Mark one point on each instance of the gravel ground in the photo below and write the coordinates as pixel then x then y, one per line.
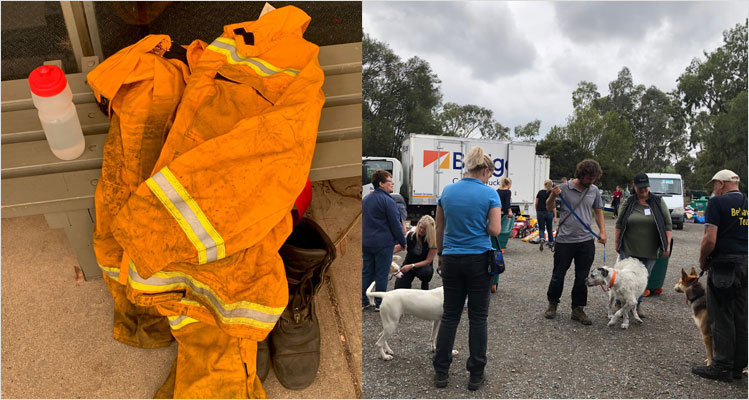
pixel 532 357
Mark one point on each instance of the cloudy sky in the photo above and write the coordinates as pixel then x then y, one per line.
pixel 522 60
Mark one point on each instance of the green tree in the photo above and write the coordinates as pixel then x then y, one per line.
pixel 713 93
pixel 528 132
pixel 495 131
pixel 563 155
pixel 659 132
pixel 465 120
pixel 398 98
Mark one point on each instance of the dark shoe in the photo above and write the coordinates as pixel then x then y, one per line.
pixel 578 314
pixel 541 246
pixel 475 381
pixel 551 312
pixel 710 372
pixel 440 380
pixel 377 308
pixel 295 347
pixel 738 374
pixel 263 358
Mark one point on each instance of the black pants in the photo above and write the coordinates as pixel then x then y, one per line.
pixel 727 308
pixel 583 254
pixel 424 274
pixel 464 275
pixel 615 206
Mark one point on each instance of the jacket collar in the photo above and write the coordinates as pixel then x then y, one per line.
pixel 267 30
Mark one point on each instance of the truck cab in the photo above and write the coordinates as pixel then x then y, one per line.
pixel 371 164
pixel 671 188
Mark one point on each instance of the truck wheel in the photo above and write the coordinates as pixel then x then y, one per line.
pixel 680 226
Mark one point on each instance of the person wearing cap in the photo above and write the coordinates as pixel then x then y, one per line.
pixel 723 253
pixel 574 240
pixel 643 227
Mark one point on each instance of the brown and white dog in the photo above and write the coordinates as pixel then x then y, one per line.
pixel 690 285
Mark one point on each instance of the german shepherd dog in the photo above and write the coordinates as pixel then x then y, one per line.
pixel 690 285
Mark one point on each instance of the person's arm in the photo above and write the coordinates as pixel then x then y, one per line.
pixel 708 244
pixel 668 245
pixel 494 225
pixel 669 226
pixel 394 222
pixel 601 226
pixel 425 262
pixel 617 233
pixel 440 228
pixel 550 202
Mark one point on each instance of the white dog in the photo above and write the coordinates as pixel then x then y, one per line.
pixel 424 304
pixel 626 282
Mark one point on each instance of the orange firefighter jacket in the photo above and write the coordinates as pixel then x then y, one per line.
pixel 201 235
pixel 140 89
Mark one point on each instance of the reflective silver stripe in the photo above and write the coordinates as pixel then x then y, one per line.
pixel 177 320
pixel 237 58
pixel 184 280
pixel 189 216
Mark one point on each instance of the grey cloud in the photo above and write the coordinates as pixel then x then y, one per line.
pixel 483 39
pixel 598 21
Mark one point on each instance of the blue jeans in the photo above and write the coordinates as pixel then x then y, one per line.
pixel 376 267
pixel 545 220
pixel 464 275
pixel 649 264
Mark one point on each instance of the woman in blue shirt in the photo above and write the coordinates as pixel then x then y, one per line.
pixel 468 213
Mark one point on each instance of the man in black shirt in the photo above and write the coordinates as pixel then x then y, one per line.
pixel 723 253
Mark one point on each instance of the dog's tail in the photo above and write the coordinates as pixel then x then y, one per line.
pixel 372 294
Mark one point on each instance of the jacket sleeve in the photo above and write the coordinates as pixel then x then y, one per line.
pixel 393 217
pixel 227 193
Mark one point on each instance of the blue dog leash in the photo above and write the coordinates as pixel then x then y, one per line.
pixel 584 224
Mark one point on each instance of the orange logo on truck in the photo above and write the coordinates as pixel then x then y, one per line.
pixel 431 156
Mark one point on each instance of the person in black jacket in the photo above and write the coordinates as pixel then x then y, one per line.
pixel 643 228
pixel 421 248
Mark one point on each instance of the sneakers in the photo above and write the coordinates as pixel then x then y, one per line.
pixel 579 315
pixel 475 381
pixel 440 380
pixel 295 340
pixel 551 312
pixel 646 293
pixel 711 372
pixel 541 245
pixel 658 291
pixel 494 288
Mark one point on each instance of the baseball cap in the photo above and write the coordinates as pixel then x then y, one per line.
pixel 725 175
pixel 641 180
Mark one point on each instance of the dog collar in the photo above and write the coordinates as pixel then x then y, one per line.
pixel 613 278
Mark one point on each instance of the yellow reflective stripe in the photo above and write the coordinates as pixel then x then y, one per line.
pixel 240 312
pixel 111 272
pixel 207 241
pixel 217 239
pixel 180 219
pixel 177 322
pixel 228 47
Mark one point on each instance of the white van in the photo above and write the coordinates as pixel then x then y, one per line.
pixel 671 188
pixel 371 164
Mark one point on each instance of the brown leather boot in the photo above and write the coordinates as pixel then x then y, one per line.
pixel 578 314
pixel 551 312
pixel 263 358
pixel 295 342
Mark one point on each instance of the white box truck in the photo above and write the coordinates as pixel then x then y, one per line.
pixel 671 188
pixel 429 163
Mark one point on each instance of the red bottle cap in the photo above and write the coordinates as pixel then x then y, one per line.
pixel 47 81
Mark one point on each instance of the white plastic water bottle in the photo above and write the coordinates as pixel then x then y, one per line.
pixel 53 98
